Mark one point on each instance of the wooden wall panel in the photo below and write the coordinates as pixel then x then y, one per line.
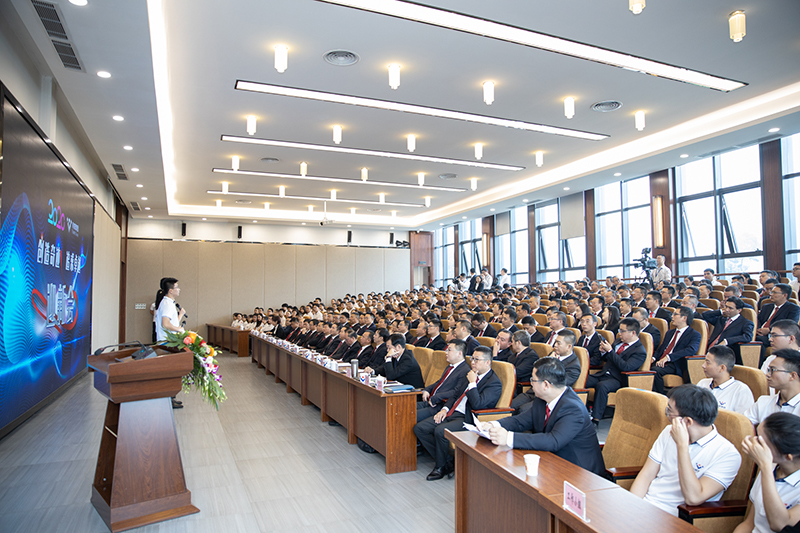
pixel 279 275
pixel 247 272
pixel 369 270
pixel 310 273
pixel 772 207
pixel 145 267
pixel 105 281
pixel 181 262
pixel 340 272
pixel 396 264
pixel 214 280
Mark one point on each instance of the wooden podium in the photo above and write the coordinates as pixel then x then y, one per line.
pixel 139 478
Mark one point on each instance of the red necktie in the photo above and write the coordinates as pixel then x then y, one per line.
pixel 551 338
pixel 652 314
pixel 622 348
pixel 715 341
pixel 453 409
pixel 449 369
pixel 772 314
pixel 585 342
pixel 672 343
pixel 546 414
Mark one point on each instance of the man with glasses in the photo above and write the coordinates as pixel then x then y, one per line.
pixel 783 375
pixel 730 327
pixel 779 308
pixel 679 342
pixel 435 395
pixel 435 340
pixel 783 334
pixel 689 462
pixel 627 355
pixel 481 390
pixel 557 420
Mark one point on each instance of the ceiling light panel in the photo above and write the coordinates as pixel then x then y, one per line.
pixel 319 199
pixel 511 34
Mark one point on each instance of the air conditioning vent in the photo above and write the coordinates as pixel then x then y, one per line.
pixel 606 106
pixel 448 176
pixel 67 55
pixel 51 20
pixel 119 170
pixel 135 206
pixel 341 58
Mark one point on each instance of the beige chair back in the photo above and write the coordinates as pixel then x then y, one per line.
pixel 583 357
pixel 647 341
pixel 486 341
pixel 735 427
pixel 438 364
pixel 496 325
pixel 660 324
pixel 753 378
pixel 540 319
pixel 424 357
pixel 750 315
pixel 541 349
pixel 487 315
pixel 701 326
pixel 508 377
pixel 445 324
pixel 544 330
pixel 607 335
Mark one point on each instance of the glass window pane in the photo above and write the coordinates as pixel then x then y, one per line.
pixel 637 192
pixel 609 239
pixel 503 258
pixel 464 231
pixel 639 235
pixel 742 264
pixel 695 268
pixel 607 198
pixel 519 218
pixel 449 235
pixel 450 264
pixel 743 211
pixel 696 177
pixel 740 166
pixel 791 154
pixel 551 277
pixel 791 199
pixel 603 273
pixel 791 259
pixel 520 252
pixel 697 228
pixel 574 275
pixel 519 279
pixel 547 214
pixel 577 251
pixel 548 256
pixel 438 263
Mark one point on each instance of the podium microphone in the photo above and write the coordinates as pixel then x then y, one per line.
pixel 144 353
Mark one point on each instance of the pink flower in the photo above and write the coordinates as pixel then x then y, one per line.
pixel 187 340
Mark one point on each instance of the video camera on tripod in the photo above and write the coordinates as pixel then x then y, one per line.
pixel 646 263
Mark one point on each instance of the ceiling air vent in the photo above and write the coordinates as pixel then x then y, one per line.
pixel 135 206
pixel 606 106
pixel 341 58
pixel 448 176
pixel 244 202
pixel 119 170
pixel 51 20
pixel 270 159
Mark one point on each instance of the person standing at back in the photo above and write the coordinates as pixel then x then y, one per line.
pixel 168 317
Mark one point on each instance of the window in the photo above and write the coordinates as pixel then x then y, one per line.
pixel 790 148
pixel 471 246
pixel 511 249
pixel 557 258
pixel 622 226
pixel 444 256
pixel 719 213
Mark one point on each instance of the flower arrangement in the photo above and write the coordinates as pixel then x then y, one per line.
pixel 204 376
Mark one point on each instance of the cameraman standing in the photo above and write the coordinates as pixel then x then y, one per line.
pixel 661 272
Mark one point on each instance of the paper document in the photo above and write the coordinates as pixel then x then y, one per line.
pixel 474 429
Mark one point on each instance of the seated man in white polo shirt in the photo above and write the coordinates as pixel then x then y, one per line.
pixel 730 393
pixel 783 375
pixel 689 462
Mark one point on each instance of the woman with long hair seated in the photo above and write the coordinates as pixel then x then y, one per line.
pixel 611 318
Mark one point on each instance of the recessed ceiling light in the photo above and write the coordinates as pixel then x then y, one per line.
pixel 134 169
pixel 316 199
pixel 118 118
pixel 684 156
pixel 412 109
pixel 139 185
pixel 525 200
pixel 492 209
pixel 255 222
pixel 127 147
pixel 147 209
pixel 79 3
pixel 359 151
pixel 103 74
pixel 566 188
pixel 349 225
pixel 204 219
pixel 774 130
pixel 149 216
pixel 465 218
pixel 617 174
pixel 302 223
pixel 503 32
pixel 391 228
pixel 144 198
pixel 441 223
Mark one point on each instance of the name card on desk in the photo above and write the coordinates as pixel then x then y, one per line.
pixel 575 501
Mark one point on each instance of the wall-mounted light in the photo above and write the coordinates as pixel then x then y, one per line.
pixel 337 134
pixel 569 107
pixel 225 187
pixel 251 124
pixel 421 179
pixel 736 24
pixel 394 213
pixel 352 210
pixel 411 141
pixel 382 197
pixel 639 120
pixel 478 150
pixel 427 201
pixel 235 162
pixel 394 75
pixel 311 209
pixel 333 194
pixel 282 191
pixel 303 168
pixel 539 158
pixel 473 184
pixel 219 203
pixel 364 174
pixel 281 57
pixel 266 206
pixel 658 221
pixel 488 92
pixel 636 6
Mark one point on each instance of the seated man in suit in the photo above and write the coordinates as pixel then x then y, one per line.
pixel 572 367
pixel 400 364
pixel 679 342
pixel 652 303
pixel 529 325
pixel 481 390
pixel 735 291
pixel 379 353
pixel 557 419
pixel 730 393
pixel 421 333
pixel 730 327
pixel 435 339
pixel 625 308
pixel 501 350
pixel 508 319
pixel 522 357
pixel 349 350
pixel 627 355
pixel 481 327
pixel 641 315
pixel 779 308
pixel 365 349
pixel 638 297
pixel 463 331
pixel 590 339
pixel 558 321
pixel 667 298
pixel 689 462
pixel 435 395
pixel 691 301
pixel 337 338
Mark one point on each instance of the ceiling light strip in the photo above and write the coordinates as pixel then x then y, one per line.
pixel 315 198
pixel 336 180
pixel 360 151
pixel 495 30
pixel 321 96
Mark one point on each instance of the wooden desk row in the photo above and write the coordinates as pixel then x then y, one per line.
pixel 232 339
pixel 384 421
pixel 493 493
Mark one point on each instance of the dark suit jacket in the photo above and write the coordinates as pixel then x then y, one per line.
pixel 573 367
pixel 313 339
pixel 349 352
pixel 595 357
pixel 788 311
pixel 333 345
pixel 674 304
pixel 340 350
pixel 503 355
pixel 662 313
pixel 421 341
pixel 453 383
pixel 740 330
pixel 472 343
pixel 484 396
pixel 404 369
pixel 292 335
pixel 488 332
pixel 365 357
pixel 629 360
pixel 378 356
pixel 569 432
pixel 655 333
pixel 436 343
pixel 687 345
pixel 537 337
pixel 523 363
pixel 512 329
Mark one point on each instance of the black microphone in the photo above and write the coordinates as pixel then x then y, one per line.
pixel 144 353
pixel 178 307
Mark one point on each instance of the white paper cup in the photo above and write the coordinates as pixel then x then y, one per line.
pixel 532 464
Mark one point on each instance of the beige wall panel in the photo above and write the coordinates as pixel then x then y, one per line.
pixel 369 270
pixel 340 272
pixel 397 268
pixel 181 262
pixel 105 281
pixel 247 272
pixel 145 267
pixel 310 274
pixel 213 285
pixel 279 274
